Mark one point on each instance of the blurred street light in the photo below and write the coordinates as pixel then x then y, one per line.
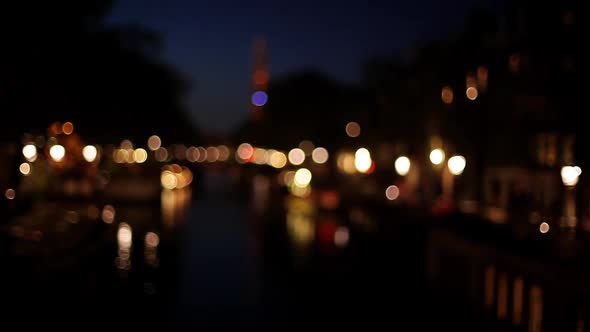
pixel 57 152
pixel 456 164
pixel 437 156
pixel 402 165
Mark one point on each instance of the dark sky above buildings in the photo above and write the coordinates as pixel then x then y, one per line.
pixel 210 42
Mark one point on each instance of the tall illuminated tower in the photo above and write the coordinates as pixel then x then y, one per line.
pixel 260 77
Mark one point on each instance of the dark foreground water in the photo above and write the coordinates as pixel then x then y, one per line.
pixel 218 259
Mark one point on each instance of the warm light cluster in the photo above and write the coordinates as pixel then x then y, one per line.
pixel 130 156
pixel 175 177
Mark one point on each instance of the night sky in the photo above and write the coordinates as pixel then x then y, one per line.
pixel 210 42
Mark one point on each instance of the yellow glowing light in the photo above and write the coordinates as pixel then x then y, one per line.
pixel 307 146
pixel 437 156
pixel 277 159
pixel 353 129
pixel 260 157
pixel 392 192
pixel 108 214
pixel 67 128
pixel 120 155
pixel 30 152
pixel 161 154
pixel 244 152
pixel 151 240
pixel 302 178
pixel 57 152
pixel 168 180
pixel 223 153
pixel 402 165
pixel 471 93
pixel 544 227
pixel 296 156
pixel 89 153
pixel 345 162
pixel 319 155
pixel 140 155
pixel 184 178
pixel 341 236
pixel 25 168
pixel 456 164
pixel 362 160
pixel 124 236
pixel 570 175
pixel 447 95
pixel 9 194
pixel 154 142
pixel 298 191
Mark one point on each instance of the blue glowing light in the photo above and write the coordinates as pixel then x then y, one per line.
pixel 259 98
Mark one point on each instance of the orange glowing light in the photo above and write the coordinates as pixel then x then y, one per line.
pixel 202 154
pixel 126 144
pixel 245 152
pixel 260 77
pixel 108 214
pixel 544 227
pixel 223 152
pixel 151 240
pixel 471 93
pixel 67 128
pixel 447 95
pixel 353 129
pixel 212 154
pixel 25 169
pixel 192 154
pixel 10 194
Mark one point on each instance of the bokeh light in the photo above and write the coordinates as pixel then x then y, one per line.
pixel 259 98
pixel 402 165
pixel 392 192
pixel 192 154
pixel 570 175
pixel 202 154
pixel 108 214
pixel 307 146
pixel 124 236
pixel 57 152
pixel 345 162
pixel 30 152
pixel 296 156
pixel 437 156
pixel 319 155
pixel 456 164
pixel 67 128
pixel 260 157
pixel 151 240
pixel 447 95
pixel 353 129
pixel 25 169
pixel 168 180
pixel 223 153
pixel 245 152
pixel 277 159
pixel 471 93
pixel 544 227
pixel 302 178
pixel 362 160
pixel 161 154
pixel 140 155
pixel 126 144
pixel 341 236
pixel 212 154
pixel 89 152
pixel 10 194
pixel 154 142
